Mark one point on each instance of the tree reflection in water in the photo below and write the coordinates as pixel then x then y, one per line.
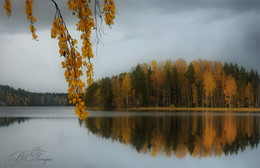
pixel 7 121
pixel 199 135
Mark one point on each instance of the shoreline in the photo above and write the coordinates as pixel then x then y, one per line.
pixel 181 109
pixel 162 109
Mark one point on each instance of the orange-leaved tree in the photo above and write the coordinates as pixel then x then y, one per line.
pixel 126 88
pixel 209 86
pixel 230 90
pixel 75 60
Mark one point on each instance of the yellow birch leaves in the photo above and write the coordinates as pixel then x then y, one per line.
pixel 85 25
pixel 109 9
pixel 29 13
pixel 72 64
pixel 75 62
pixel 7 7
pixel 30 18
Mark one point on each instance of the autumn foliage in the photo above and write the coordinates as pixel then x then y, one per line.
pixel 7 7
pixel 75 62
pixel 30 18
pixel 200 83
pixel 230 90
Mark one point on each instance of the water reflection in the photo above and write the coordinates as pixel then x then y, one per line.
pixel 7 121
pixel 170 135
pixel 197 135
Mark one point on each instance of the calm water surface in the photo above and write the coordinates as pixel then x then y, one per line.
pixel 53 137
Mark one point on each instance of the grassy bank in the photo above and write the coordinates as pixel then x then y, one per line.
pixel 182 109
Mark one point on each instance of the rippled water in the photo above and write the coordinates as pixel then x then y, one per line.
pixel 53 137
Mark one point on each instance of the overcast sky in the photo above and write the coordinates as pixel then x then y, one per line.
pixel 225 30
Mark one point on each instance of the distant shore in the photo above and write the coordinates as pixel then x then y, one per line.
pixel 180 109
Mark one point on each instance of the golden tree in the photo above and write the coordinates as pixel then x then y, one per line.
pixel 157 78
pixel 209 85
pixel 126 88
pixel 230 90
pixel 117 92
pixel 74 60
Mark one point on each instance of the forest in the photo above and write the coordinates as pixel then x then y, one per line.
pixel 19 97
pixel 201 83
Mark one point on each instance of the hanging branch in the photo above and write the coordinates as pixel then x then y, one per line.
pixel 74 61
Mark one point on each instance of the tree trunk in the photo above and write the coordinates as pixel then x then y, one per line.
pixel 158 92
pixel 211 99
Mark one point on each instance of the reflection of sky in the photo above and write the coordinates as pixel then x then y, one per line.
pixel 70 145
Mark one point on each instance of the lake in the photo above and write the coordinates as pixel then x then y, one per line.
pixel 53 137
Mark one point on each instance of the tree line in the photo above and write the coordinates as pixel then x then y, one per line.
pixel 19 97
pixel 201 83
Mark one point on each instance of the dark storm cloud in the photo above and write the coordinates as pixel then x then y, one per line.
pixel 239 19
pixel 189 5
pixel 252 44
pixel 44 10
pixel 225 30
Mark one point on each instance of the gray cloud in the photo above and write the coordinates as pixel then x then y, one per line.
pixel 43 10
pixel 173 6
pixel 225 30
